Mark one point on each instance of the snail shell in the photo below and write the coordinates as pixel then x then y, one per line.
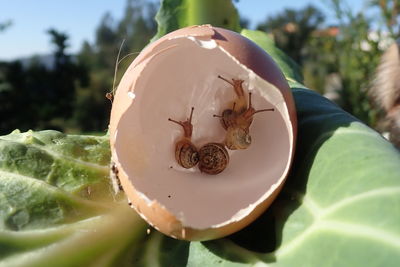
pixel 237 138
pixel 186 154
pixel 214 158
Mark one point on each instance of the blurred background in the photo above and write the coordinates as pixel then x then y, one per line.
pixel 57 58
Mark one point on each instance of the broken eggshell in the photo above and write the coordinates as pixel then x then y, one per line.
pixel 171 75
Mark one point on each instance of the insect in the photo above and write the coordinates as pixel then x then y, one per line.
pixel 237 121
pixel 213 158
pixel 116 183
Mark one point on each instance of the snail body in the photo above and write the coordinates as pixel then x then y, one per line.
pixel 212 158
pixel 186 153
pixel 240 104
pixel 237 121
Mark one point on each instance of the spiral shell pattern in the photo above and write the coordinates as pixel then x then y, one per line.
pixel 186 154
pixel 213 158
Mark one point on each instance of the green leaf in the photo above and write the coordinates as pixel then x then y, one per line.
pixel 343 195
pixel 289 67
pixel 176 14
pixel 57 207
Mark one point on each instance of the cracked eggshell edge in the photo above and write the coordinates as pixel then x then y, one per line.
pixel 153 211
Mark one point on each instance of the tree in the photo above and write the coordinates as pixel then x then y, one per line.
pixel 15 108
pixel 390 14
pixel 63 78
pixel 36 96
pixel 59 41
pixel 71 94
pixel 351 55
pixel 136 29
pixel 4 25
pixel 293 28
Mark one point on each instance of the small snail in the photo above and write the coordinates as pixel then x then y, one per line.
pixel 237 121
pixel 186 153
pixel 213 158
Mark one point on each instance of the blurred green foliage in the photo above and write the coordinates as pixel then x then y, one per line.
pixel 292 29
pixel 38 95
pixel 67 92
pixel 337 60
pixel 134 30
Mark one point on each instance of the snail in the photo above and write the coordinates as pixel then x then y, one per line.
pixel 186 153
pixel 237 121
pixel 213 158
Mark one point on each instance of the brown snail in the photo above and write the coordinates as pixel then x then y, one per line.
pixel 237 121
pixel 186 153
pixel 213 158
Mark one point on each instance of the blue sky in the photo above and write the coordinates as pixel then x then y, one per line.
pixel 79 19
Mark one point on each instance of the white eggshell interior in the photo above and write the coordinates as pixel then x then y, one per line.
pixel 180 74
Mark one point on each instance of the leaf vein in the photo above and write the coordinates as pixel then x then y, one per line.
pixel 55 189
pixel 349 229
pixel 77 161
pixel 65 157
pixel 359 197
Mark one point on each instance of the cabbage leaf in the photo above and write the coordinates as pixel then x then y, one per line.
pixel 339 206
pixel 57 207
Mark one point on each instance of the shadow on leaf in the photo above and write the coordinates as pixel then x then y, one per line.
pixel 318 119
